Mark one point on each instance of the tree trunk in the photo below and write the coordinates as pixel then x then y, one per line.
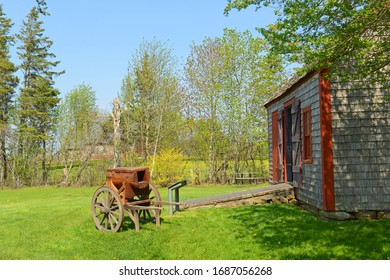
pixel 211 157
pixel 85 164
pixel 3 159
pixel 116 115
pixel 236 162
pixel 44 168
pixel 147 132
pixel 156 144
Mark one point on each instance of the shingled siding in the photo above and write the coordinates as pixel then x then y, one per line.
pixel 361 148
pixel 308 93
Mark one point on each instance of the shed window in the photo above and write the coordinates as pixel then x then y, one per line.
pixel 307 137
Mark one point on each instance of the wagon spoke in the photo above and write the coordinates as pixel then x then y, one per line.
pixel 110 220
pixel 111 202
pixel 99 214
pixel 104 217
pixel 114 218
pixel 99 205
pixel 115 207
pixel 107 200
pixel 106 222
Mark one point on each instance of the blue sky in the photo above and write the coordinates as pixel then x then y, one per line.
pixel 95 39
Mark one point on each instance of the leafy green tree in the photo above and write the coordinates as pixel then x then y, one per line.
pixel 38 99
pixel 229 79
pixel 204 93
pixel 150 100
pixel 79 131
pixel 8 83
pixel 317 33
pixel 249 74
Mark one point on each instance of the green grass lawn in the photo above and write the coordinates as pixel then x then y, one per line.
pixel 56 223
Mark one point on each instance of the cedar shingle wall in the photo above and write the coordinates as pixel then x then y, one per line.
pixel 361 148
pixel 308 94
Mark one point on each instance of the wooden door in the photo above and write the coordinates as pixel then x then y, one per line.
pixel 296 143
pixel 274 144
pixel 280 145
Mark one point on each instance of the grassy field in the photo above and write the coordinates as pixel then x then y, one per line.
pixel 56 223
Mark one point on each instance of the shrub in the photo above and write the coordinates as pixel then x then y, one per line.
pixel 169 165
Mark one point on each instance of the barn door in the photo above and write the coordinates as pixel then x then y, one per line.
pixel 296 143
pixel 280 145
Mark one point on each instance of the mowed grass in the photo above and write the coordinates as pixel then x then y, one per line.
pixel 56 223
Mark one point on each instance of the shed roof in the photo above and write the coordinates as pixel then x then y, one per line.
pixel 289 86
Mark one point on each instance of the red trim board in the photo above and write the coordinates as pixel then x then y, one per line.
pixel 326 143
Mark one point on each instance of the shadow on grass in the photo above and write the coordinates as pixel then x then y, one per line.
pixel 288 232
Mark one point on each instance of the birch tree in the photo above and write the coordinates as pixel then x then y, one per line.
pixel 116 118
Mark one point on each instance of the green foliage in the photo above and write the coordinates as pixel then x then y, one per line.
pixel 330 34
pixel 57 224
pixel 37 103
pixel 169 165
pixel 8 83
pixel 79 131
pixel 78 116
pixel 151 99
pixel 229 79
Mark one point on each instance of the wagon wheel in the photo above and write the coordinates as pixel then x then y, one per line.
pixel 154 196
pixel 107 209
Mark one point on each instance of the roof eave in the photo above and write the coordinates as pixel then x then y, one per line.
pixel 288 87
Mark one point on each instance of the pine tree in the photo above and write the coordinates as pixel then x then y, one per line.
pixel 38 98
pixel 8 83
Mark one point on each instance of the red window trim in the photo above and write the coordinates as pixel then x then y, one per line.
pixel 307 135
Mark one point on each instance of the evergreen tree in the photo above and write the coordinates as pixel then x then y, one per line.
pixel 38 98
pixel 8 83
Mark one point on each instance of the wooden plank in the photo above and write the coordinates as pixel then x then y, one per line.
pixel 139 202
pixel 168 203
pixel 139 207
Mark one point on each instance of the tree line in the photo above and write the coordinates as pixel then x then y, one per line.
pixel 27 117
pixel 209 111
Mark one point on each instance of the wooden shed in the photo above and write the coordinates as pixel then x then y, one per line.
pixel 331 141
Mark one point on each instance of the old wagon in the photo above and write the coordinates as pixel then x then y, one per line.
pixel 127 191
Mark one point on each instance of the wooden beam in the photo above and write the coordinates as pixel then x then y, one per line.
pixel 326 143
